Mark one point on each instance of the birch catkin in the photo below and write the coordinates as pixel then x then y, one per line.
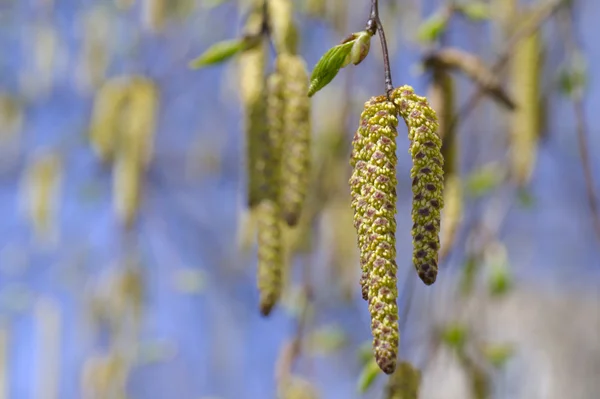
pixel 252 64
pixel 525 127
pixel 373 186
pixel 428 179
pixel 296 166
pixel 270 238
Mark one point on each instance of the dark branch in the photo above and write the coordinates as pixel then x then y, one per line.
pixel 374 25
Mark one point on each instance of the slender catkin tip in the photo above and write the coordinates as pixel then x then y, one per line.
pixel 373 188
pixel 427 179
pixel 270 237
pixel 296 164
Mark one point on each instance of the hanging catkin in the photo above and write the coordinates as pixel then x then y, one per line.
pixel 373 187
pixel 525 128
pixel 427 179
pixel 134 150
pixel 108 107
pixel 252 64
pixel 270 238
pixel 441 95
pixel 296 166
pixel 284 30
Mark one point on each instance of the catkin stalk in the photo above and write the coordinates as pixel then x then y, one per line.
pixel 296 166
pixel 373 187
pixel 427 179
pixel 270 238
pixel 284 30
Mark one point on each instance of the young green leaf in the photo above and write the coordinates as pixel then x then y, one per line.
pixel 221 51
pixel 432 28
pixel 475 10
pixel 368 375
pixel 329 65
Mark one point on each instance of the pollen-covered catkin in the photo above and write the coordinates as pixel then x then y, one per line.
pixel 427 179
pixel 296 166
pixel 373 186
pixel 252 65
pixel 270 237
pixel 358 161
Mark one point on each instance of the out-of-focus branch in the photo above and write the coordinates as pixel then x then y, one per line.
pixel 541 15
pixel 571 48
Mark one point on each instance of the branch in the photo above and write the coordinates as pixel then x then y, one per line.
pixel 581 126
pixel 374 25
pixel 540 16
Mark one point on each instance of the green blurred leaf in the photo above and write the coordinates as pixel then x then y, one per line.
pixel 526 199
pixel 432 28
pixel 483 180
pixel 498 354
pixel 329 65
pixel 455 335
pixel 220 52
pixel 368 375
pixel 475 10
pixel 500 281
pixel 467 281
pixel 573 76
pixel 326 340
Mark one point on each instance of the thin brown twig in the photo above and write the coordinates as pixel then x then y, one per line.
pixel 374 25
pixel 540 16
pixel 572 47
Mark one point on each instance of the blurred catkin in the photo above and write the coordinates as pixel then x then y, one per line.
pixel 106 113
pixel 270 239
pixel 41 188
pixel 427 179
pixel 525 75
pixel 252 65
pixel 283 27
pixel 373 187
pixel 134 150
pixel 296 165
pixel 404 383
pixel 155 14
pixel 441 96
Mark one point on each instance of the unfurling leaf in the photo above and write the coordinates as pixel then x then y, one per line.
pixel 222 51
pixel 329 65
pixel 455 336
pixel 361 47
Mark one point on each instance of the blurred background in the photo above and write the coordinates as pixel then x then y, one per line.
pixel 133 275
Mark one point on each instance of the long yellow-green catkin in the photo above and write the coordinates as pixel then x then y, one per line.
pixel 252 64
pixel 358 161
pixel 284 30
pixel 441 96
pixel 373 187
pixel 108 106
pixel 525 129
pixel 296 166
pixel 270 238
pixel 405 383
pixel 427 179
